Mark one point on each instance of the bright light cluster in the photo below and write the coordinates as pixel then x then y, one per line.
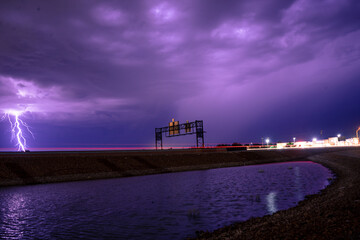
pixel 17 128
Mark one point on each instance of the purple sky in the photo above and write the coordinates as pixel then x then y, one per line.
pixel 91 72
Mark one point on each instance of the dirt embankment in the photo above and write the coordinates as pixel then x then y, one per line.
pixel 333 214
pixel 46 167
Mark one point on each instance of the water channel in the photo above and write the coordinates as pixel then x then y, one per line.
pixel 163 206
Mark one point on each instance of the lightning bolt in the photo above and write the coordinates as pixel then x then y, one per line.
pixel 17 127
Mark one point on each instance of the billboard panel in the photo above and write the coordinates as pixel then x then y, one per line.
pixel 187 127
pixel 176 128
pixel 171 128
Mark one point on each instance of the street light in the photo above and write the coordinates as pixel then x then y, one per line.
pixel 339 135
pixel 314 139
pixel 294 138
pixel 267 141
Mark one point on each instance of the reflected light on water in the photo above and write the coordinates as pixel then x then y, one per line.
pixel 299 194
pixel 14 216
pixel 270 202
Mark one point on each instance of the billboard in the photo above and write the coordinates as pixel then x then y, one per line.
pixel 187 127
pixel 174 127
pixel 171 128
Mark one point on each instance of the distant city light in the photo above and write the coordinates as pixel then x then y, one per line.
pixel 330 142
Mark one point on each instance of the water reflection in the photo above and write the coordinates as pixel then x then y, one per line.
pixel 297 175
pixel 13 215
pixel 165 206
pixel 270 202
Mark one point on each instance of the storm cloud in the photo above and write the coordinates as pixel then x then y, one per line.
pixel 249 69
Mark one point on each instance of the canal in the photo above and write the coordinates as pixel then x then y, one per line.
pixel 163 206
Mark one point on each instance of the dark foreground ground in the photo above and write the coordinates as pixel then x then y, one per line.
pixel 333 214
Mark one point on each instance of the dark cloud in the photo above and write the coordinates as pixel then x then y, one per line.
pixel 140 63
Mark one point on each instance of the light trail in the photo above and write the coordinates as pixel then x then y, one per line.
pixel 17 127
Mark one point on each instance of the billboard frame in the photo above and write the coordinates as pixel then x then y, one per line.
pixel 188 128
